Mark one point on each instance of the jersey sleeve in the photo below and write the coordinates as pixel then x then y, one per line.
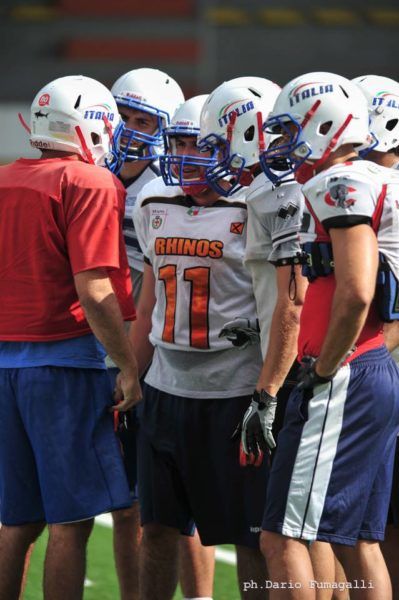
pixel 259 242
pixel 273 227
pixel 92 222
pixel 140 225
pixel 285 226
pixel 345 201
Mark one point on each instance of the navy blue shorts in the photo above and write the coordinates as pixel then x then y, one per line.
pixel 189 469
pixel 393 513
pixel 126 430
pixel 332 472
pixel 60 460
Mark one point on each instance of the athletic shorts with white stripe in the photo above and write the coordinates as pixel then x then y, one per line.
pixel 332 473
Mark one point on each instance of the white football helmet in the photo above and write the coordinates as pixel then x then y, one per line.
pixel 316 113
pixel 185 170
pixel 382 95
pixel 231 122
pixel 75 114
pixel 153 92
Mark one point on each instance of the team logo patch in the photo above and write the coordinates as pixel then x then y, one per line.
pixel 44 100
pixel 237 228
pixel 287 211
pixel 193 211
pixel 156 222
pixel 338 196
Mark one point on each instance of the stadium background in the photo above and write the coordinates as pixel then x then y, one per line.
pixel 200 43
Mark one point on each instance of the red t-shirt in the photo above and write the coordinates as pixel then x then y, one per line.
pixel 315 319
pixel 58 217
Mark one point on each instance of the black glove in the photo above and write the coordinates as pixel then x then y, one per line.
pixel 241 332
pixel 307 376
pixel 256 429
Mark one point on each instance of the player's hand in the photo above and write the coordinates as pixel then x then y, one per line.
pixel 256 429
pixel 127 391
pixel 241 332
pixel 307 376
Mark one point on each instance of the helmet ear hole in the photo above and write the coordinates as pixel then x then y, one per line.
pixel 391 124
pixel 95 138
pixel 325 127
pixel 249 134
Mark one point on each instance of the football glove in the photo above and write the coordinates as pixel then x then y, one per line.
pixel 307 376
pixel 241 332
pixel 256 429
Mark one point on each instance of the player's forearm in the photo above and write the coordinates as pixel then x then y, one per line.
pixel 106 321
pixel 139 332
pixel 282 348
pixel 391 335
pixel 348 316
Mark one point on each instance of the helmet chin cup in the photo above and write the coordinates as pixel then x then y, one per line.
pixel 194 190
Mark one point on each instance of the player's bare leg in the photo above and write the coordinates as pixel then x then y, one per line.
pixel 366 562
pixel 288 560
pixel 14 545
pixel 65 563
pixel 196 567
pixel 26 569
pixel 126 538
pixel 158 569
pixel 327 568
pixel 340 577
pixel 389 548
pixel 252 573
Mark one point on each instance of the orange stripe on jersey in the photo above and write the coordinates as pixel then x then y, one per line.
pixel 168 275
pixel 199 326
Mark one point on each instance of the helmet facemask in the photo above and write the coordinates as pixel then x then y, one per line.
pixel 185 170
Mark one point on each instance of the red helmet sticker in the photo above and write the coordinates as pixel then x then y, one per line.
pixel 44 100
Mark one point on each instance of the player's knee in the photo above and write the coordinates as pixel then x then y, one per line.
pixel 27 533
pixel 126 516
pixel 79 531
pixel 271 544
pixel 156 534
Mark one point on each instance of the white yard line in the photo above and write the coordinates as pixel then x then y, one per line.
pixel 221 554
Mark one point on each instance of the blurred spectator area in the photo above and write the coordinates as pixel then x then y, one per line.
pixel 199 42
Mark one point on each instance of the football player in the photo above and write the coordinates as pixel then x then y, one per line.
pixel 272 255
pixel 66 284
pixel 382 95
pixel 198 385
pixel 330 478
pixel 146 99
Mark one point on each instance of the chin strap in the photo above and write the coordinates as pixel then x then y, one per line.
pixel 24 123
pixel 85 148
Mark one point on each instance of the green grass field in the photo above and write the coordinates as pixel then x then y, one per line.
pixel 101 581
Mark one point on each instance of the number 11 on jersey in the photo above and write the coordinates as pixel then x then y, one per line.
pixel 198 278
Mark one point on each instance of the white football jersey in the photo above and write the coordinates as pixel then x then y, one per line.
pixel 274 222
pixel 197 257
pixel 133 187
pixel 353 193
